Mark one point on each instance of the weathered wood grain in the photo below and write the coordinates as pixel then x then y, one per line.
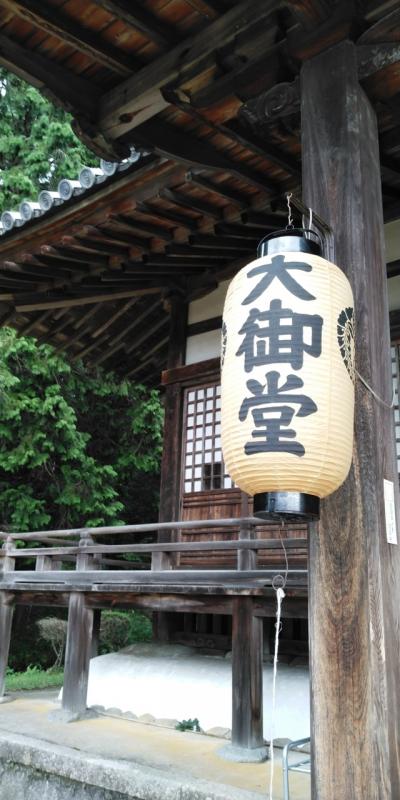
pixel 168 547
pixel 6 616
pixel 140 97
pixel 203 577
pixel 52 21
pixel 354 572
pixel 77 654
pixel 247 648
pixel 140 528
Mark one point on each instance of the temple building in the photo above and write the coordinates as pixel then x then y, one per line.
pixel 209 117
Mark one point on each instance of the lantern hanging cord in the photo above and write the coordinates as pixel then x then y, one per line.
pixel 279 584
pixel 374 394
pixel 290 224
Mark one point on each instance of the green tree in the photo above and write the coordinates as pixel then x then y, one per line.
pixel 76 448
pixel 37 144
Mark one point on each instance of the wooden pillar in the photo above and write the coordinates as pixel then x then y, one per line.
pixel 171 459
pixel 247 716
pixel 78 647
pixel 6 616
pixel 77 656
pixel 354 571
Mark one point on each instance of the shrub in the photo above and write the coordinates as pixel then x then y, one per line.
pixel 54 631
pixel 121 628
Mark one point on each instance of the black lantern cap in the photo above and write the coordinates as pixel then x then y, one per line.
pixel 297 240
pixel 292 506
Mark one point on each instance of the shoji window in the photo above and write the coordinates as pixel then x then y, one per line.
pixel 204 469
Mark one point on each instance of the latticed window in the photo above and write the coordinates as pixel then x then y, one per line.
pixel 204 469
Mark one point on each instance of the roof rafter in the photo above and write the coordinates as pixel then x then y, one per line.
pixel 140 97
pixel 140 18
pixel 52 20
pixel 75 93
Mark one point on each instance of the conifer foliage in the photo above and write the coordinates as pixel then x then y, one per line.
pixel 37 144
pixel 76 448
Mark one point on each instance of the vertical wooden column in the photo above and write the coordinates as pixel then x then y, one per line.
pixel 6 617
pixel 247 716
pixel 172 447
pixel 246 559
pixel 78 647
pixel 354 573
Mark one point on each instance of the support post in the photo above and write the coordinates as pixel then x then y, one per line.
pixel 171 459
pixel 78 648
pixel 354 606
pixel 247 695
pixel 6 617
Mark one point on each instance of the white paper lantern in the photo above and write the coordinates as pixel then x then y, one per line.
pixel 288 376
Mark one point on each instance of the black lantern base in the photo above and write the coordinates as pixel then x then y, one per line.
pixel 291 506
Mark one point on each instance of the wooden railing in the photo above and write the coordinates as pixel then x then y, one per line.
pixel 78 547
pixel 72 567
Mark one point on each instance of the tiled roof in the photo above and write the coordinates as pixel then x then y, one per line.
pixel 46 200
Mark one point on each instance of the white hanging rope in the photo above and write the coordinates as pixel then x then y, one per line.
pixel 279 584
pixel 280 594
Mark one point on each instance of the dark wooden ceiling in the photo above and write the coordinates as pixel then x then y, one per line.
pixel 178 80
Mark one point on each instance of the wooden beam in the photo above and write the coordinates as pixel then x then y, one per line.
pixel 139 98
pixel 53 21
pixel 220 189
pixel 192 203
pixel 237 134
pixel 120 339
pixel 146 334
pixel 374 57
pixel 110 320
pixel 385 28
pixel 309 13
pixel 196 578
pixel 174 143
pixel 142 20
pixel 213 241
pixel 156 231
pixel 76 94
pixel 354 571
pixel 180 220
pixel 105 337
pixel 38 302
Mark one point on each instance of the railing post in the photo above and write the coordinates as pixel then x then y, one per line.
pixel 164 621
pixel 6 617
pixel 246 559
pixel 78 646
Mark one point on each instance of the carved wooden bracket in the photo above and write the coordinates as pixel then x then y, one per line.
pixel 280 101
pixel 284 98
